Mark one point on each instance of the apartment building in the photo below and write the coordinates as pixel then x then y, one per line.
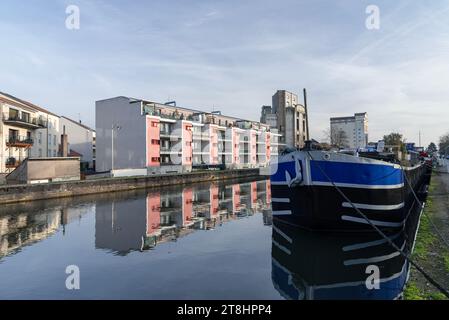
pixel 350 132
pixel 288 116
pixel 26 130
pixel 80 140
pixel 158 138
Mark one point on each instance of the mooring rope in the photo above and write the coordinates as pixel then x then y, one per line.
pixel 401 252
pixel 428 216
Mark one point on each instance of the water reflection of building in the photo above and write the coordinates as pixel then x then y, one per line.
pixel 142 223
pixel 307 265
pixel 21 229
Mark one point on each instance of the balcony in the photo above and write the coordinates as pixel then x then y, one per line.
pixel 12 163
pixel 19 142
pixel 24 122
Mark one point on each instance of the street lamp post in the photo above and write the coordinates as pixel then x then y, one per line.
pixel 114 127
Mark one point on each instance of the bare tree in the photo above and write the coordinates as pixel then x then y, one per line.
pixel 337 138
pixel 444 144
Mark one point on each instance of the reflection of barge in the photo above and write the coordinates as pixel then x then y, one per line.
pixel 308 265
pixel 303 190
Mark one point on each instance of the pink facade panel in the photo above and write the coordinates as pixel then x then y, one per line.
pixel 213 144
pixel 187 206
pixel 214 203
pixel 236 205
pixel 187 138
pixel 253 195
pixel 153 141
pixel 268 194
pixel 153 214
pixel 235 146
pixel 253 147
pixel 268 146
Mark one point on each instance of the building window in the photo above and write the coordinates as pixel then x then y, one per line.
pixel 54 153
pixel 154 124
pixel 40 137
pixel 13 114
pixel 49 139
pixel 188 143
pixel 155 159
pixel 155 141
pixel 54 140
pixel 40 153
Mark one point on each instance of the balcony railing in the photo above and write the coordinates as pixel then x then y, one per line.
pixel 12 162
pixel 25 121
pixel 165 149
pixel 19 141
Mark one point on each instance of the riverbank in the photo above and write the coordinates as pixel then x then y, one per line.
pixel 430 251
pixel 24 193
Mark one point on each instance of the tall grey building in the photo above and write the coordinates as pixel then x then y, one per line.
pixel 288 116
pixel 350 132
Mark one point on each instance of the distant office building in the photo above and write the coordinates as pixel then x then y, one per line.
pixel 350 132
pixel 160 138
pixel 80 140
pixel 288 117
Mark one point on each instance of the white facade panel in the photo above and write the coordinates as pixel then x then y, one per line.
pixel 129 134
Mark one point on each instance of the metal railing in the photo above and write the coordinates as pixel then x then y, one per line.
pixel 12 162
pixel 26 120
pixel 19 140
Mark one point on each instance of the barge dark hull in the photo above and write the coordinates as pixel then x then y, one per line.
pixel 317 207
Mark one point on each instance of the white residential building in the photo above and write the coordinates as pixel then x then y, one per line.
pixel 26 130
pixel 80 140
pixel 141 136
pixel 354 129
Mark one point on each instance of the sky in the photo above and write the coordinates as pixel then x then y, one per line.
pixel 232 56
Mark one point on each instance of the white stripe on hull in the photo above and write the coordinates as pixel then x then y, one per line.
pixel 281 200
pixel 361 186
pixel 373 207
pixel 373 259
pixel 375 222
pixel 282 213
pixel 364 245
pixel 282 234
pixel 344 185
pixel 282 248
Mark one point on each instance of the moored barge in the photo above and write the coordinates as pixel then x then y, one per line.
pixel 304 190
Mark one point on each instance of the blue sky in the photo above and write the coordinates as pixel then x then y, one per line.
pixel 233 55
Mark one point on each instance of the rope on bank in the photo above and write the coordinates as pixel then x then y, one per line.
pixel 389 241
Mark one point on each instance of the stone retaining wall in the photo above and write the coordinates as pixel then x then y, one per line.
pixel 20 193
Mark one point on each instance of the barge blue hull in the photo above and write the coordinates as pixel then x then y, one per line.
pixel 304 192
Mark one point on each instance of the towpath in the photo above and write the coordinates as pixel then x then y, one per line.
pixel 432 252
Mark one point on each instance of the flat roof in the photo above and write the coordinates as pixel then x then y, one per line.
pixel 186 109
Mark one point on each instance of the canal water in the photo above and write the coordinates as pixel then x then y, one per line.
pixel 205 241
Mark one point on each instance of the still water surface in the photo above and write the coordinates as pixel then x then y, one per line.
pixel 207 241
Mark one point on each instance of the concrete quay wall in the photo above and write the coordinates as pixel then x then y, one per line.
pixel 32 192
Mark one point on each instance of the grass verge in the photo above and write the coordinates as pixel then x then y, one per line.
pixel 428 253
